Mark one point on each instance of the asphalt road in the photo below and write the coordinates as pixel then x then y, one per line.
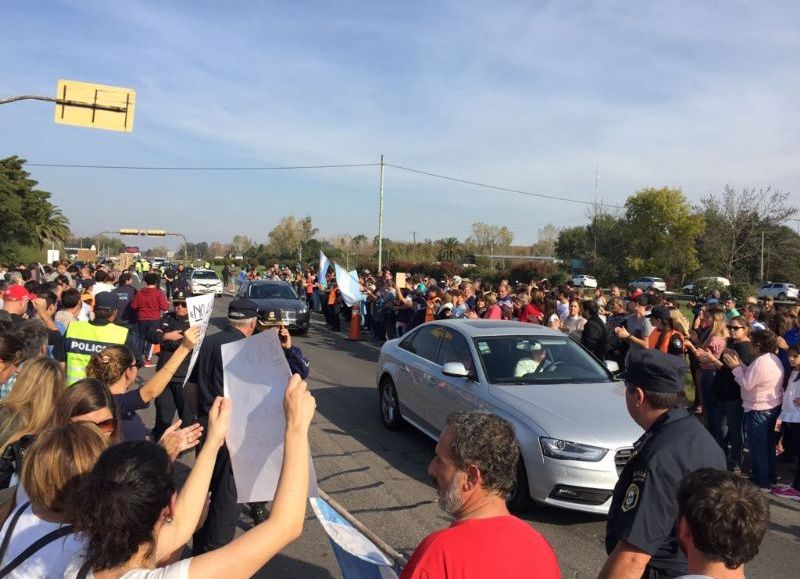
pixel 380 477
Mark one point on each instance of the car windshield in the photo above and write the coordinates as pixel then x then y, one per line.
pixel 267 291
pixel 537 360
pixel 198 274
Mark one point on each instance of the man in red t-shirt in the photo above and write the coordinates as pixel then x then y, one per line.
pixel 474 470
pixel 150 304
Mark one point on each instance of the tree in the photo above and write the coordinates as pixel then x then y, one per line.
pixel 287 238
pixel 241 243
pixel 27 217
pixel 571 243
pixel 546 243
pixel 662 232
pixel 491 238
pixel 449 249
pixel 735 222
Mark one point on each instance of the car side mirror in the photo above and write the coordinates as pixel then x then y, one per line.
pixel 612 366
pixel 456 369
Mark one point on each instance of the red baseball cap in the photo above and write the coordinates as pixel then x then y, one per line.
pixel 17 293
pixel 636 293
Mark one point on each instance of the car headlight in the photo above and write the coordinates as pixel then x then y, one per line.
pixel 302 310
pixel 566 450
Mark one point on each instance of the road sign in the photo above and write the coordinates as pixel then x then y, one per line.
pixel 95 105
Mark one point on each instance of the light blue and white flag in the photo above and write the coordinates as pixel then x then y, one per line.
pixel 357 556
pixel 349 286
pixel 324 264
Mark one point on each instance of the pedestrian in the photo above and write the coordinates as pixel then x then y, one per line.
pixel 226 275
pixel 474 470
pixel 594 335
pixel 149 305
pixel 169 335
pixel 665 336
pixel 82 339
pixel 789 423
pixel 220 525
pixel 640 533
pixel 762 395
pixel 722 520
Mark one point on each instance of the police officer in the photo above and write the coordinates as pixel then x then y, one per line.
pixel 83 339
pixel 169 334
pixel 641 539
pixel 271 318
pixel 220 525
pixel 181 280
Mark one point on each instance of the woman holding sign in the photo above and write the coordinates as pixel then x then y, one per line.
pixel 135 522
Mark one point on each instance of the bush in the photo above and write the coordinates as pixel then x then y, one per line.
pixel 741 290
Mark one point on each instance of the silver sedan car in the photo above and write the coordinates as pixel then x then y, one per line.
pixel 569 413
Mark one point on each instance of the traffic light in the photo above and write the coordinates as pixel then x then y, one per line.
pixel 129 232
pixel 156 233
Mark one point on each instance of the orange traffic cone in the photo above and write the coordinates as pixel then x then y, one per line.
pixel 355 324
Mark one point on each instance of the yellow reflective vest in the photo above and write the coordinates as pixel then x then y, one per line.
pixel 84 339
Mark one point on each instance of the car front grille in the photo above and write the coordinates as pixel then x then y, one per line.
pixel 622 457
pixel 288 317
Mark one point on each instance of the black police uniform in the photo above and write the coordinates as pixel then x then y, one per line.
pixel 644 507
pixel 171 399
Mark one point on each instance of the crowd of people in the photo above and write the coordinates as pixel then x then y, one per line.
pixel 744 361
pixel 91 490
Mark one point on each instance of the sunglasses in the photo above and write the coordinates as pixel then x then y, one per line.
pixel 733 328
pixel 179 304
pixel 106 426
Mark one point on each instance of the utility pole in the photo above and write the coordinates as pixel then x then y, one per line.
pixel 594 220
pixel 762 256
pixel 414 237
pixel 380 221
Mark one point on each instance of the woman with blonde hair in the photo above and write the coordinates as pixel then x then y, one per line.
pixel 37 538
pixel 714 345
pixel 27 411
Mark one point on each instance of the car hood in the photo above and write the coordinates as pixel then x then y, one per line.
pixel 592 414
pixel 206 281
pixel 279 303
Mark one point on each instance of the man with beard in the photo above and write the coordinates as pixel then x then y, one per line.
pixel 474 470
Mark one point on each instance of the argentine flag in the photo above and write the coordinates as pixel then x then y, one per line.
pixel 324 264
pixel 358 557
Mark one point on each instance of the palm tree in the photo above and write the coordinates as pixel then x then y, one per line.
pixel 449 249
pixel 51 226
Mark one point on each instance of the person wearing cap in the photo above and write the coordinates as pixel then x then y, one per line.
pixel 267 319
pixel 169 335
pixel 15 302
pixel 83 339
pixel 220 525
pixel 640 534
pixel 664 336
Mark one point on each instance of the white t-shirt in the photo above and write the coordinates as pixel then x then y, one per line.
pixel 49 561
pixel 525 366
pixel 179 570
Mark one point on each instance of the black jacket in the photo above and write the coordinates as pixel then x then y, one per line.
pixel 595 336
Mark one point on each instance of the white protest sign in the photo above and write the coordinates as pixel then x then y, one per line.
pixel 255 375
pixel 200 308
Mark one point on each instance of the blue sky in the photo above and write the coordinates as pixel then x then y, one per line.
pixel 529 95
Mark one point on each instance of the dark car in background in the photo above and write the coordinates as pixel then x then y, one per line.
pixel 279 295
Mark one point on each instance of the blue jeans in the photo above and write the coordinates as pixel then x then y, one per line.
pixel 759 425
pixel 728 429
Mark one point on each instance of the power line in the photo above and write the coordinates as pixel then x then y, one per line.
pixel 495 187
pixel 158 168
pixel 330 166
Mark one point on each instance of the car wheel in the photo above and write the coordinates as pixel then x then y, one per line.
pixel 781 296
pixel 389 404
pixel 520 500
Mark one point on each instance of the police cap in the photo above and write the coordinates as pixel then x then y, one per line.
pixel 106 300
pixel 242 309
pixel 655 371
pixel 178 296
